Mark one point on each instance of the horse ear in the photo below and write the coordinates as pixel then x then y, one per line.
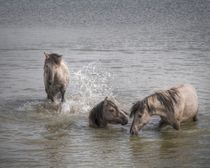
pixel 105 101
pixel 46 55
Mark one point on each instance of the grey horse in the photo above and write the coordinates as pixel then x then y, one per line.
pixel 174 106
pixel 106 112
pixel 56 76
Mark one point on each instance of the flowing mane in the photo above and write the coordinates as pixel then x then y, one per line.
pixel 166 98
pixel 96 115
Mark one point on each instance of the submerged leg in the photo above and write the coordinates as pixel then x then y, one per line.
pixel 162 124
pixel 195 118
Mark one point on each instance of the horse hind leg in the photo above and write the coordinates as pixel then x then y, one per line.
pixel 195 118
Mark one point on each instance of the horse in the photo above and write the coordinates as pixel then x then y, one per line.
pixel 56 76
pixel 107 112
pixel 174 106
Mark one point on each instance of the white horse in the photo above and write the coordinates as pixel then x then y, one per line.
pixel 56 76
pixel 174 106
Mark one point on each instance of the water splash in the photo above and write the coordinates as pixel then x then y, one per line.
pixel 91 84
pixel 88 86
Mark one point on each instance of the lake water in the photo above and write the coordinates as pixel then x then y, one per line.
pixel 125 50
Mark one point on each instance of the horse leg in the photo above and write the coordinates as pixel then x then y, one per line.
pixel 162 124
pixel 50 97
pixel 195 118
pixel 62 95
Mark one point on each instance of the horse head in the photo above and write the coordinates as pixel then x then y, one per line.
pixel 141 116
pixel 50 65
pixel 107 112
pixel 112 114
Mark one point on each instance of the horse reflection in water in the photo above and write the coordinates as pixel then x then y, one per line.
pixel 106 112
pixel 56 76
pixel 174 106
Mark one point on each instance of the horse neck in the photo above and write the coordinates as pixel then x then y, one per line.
pixel 157 107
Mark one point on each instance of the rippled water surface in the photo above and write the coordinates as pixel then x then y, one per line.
pixel 116 51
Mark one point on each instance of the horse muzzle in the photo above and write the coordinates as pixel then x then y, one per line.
pixel 134 130
pixel 125 121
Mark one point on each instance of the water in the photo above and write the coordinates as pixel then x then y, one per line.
pixel 122 49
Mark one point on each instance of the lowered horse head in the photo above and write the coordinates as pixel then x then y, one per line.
pixel 160 103
pixel 56 76
pixel 107 112
pixel 141 116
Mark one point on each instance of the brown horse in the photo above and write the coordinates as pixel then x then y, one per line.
pixel 107 112
pixel 174 106
pixel 56 76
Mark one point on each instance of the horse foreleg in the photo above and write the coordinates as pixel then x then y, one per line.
pixel 162 124
pixel 50 98
pixel 62 96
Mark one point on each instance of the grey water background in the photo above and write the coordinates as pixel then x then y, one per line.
pixel 122 49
